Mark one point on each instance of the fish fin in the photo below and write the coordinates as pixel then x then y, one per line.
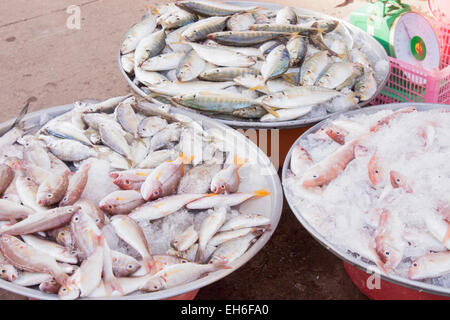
pixel 186 159
pixel 261 193
pixel 257 88
pixel 270 110
pixel 222 264
pixel 149 264
pixel 200 255
pixel 114 175
pixel 112 285
pixel 288 77
pixel 239 162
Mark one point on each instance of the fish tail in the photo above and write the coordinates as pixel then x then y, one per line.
pixel 114 175
pixel 112 285
pixel 186 159
pixel 200 255
pixel 61 278
pixel 150 265
pixel 261 193
pixel 23 112
pixel 239 162
pixel 222 264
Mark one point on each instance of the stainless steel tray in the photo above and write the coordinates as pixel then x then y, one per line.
pixel 411 284
pixel 370 46
pixel 271 206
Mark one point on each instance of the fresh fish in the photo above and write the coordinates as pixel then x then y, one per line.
pixel 127 285
pixel 287 114
pixel 57 251
pixel 36 154
pixel 230 200
pixel 164 260
pixel 85 233
pixel 233 249
pixel 64 237
pixel 342 102
pixel 240 21
pixel 287 15
pixel 431 265
pixel 339 73
pixel 268 46
pixel 70 150
pixel 27 190
pixel 400 181
pixel 25 257
pixel 149 46
pixel 366 86
pixel 225 73
pixel 286 29
pixel 358 57
pixel 385 120
pixel 245 221
pixel 162 207
pixel 199 30
pixel 155 158
pixel 336 133
pixel 92 210
pixel 174 40
pixel 227 179
pixel 329 168
pixel 222 57
pixel 130 179
pixel 176 18
pixel 28 279
pixel 124 265
pixel 126 116
pixel 66 130
pixel 115 140
pixel 77 183
pixel 247 51
pixel 104 106
pixel 127 62
pixel 390 244
pixel 277 63
pixel 245 38
pixel 254 82
pixel 297 48
pixel 149 126
pixel 41 221
pixel 149 78
pixel 313 67
pixel 208 229
pixel 170 88
pixel 190 66
pixel 137 32
pixel 6 177
pixel 164 179
pixel 300 161
pixel 316 38
pixel 222 102
pixel 177 274
pixel 225 236
pixel 304 96
pixel 121 202
pixel 52 189
pixel 163 62
pixel 130 232
pixel 12 211
pixel 185 240
pixel 211 8
pixel 85 279
pixel 376 172
pixel 49 286
pixel 438 227
pixel 198 179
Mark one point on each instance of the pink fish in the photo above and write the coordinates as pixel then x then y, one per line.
pixel 227 179
pixel 130 179
pixel 399 181
pixel 300 160
pixel 385 120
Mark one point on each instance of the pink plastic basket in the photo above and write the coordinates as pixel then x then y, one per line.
pixel 409 83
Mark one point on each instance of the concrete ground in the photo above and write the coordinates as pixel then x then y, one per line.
pixel 44 60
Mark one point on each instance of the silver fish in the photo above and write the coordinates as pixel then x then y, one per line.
pixel 124 265
pixel 150 126
pixel 224 200
pixel 226 73
pixel 190 66
pixel 313 67
pixel 77 183
pixel 277 63
pixel 240 21
pixel 287 15
pixel 233 249
pixel 10 210
pixel 245 221
pixel 107 105
pixel 121 202
pixel 115 140
pixel 297 48
pixel 126 116
pixel 222 57
pixel 208 229
pixel 185 240
pixel 137 32
pixel 57 251
pixel 163 62
pixel 198 179
pixel 211 8
pixel 199 30
pixel 149 46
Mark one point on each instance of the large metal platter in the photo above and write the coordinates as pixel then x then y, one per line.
pixel 347 257
pixel 369 46
pixel 260 171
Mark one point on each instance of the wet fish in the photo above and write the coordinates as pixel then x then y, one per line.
pixel 57 251
pixel 155 158
pixel 287 15
pixel 163 62
pixel 162 207
pixel 208 229
pixel 127 62
pixel 284 28
pixel 227 180
pixel 115 140
pixel 149 46
pixel 233 249
pixel 177 274
pixel 225 236
pixel 297 48
pixel 52 189
pixel 339 73
pixel 230 200
pixel 387 119
pixel 190 66
pixel 199 30
pixel 70 150
pixel 92 210
pixel 25 257
pixel 121 202
pixel 245 221
pixel 252 112
pixel 130 179
pixel 137 32
pixel 41 221
pixel 313 67
pixel 211 8
pixel 366 86
pixel 245 38
pixel 12 211
pixel 400 181
pixel 63 237
pixel 300 161
pixel 107 105
pixel 240 21
pixel 287 114
pixel 77 183
pixel 85 233
pixel 149 126
pixel 125 115
pixel 185 240
pixel 171 88
pixel 222 57
pixel 6 177
pixel 225 73
pixel 304 96
pixel 66 130
pixel 26 190
pixel 431 265
pixel 123 265
pixel 277 63
pixel 198 179
pixel 130 232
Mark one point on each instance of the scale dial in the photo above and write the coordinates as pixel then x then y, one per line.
pixel 413 40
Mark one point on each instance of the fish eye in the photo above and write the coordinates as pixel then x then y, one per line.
pixel 223 186
pixel 376 171
pixel 156 193
pixel 65 199
pixel 127 181
pixel 3 270
pixel 183 261
pixel 314 176
pixel 397 180
pixel 386 253
pixel 130 266
pixel 155 287
pixel 76 218
pixel 70 210
pixel 414 264
pixel 49 196
pixel 61 234
pixel 110 207
pixel 28 179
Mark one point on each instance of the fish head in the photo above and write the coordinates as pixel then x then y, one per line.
pixel 152 190
pixel 64 237
pixel 154 284
pixel 312 178
pixel 69 292
pixel 219 186
pixel 108 205
pixel 8 272
pixel 125 267
pixel 124 183
pixel 50 286
pixel 376 173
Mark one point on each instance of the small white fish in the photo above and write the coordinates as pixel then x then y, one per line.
pixel 208 229
pixel 185 240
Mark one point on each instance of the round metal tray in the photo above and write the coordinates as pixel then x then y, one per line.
pixel 416 285
pixel 270 206
pixel 370 46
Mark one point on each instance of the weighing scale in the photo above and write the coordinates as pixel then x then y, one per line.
pixel 405 35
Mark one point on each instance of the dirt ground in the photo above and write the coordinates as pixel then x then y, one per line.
pixel 45 61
